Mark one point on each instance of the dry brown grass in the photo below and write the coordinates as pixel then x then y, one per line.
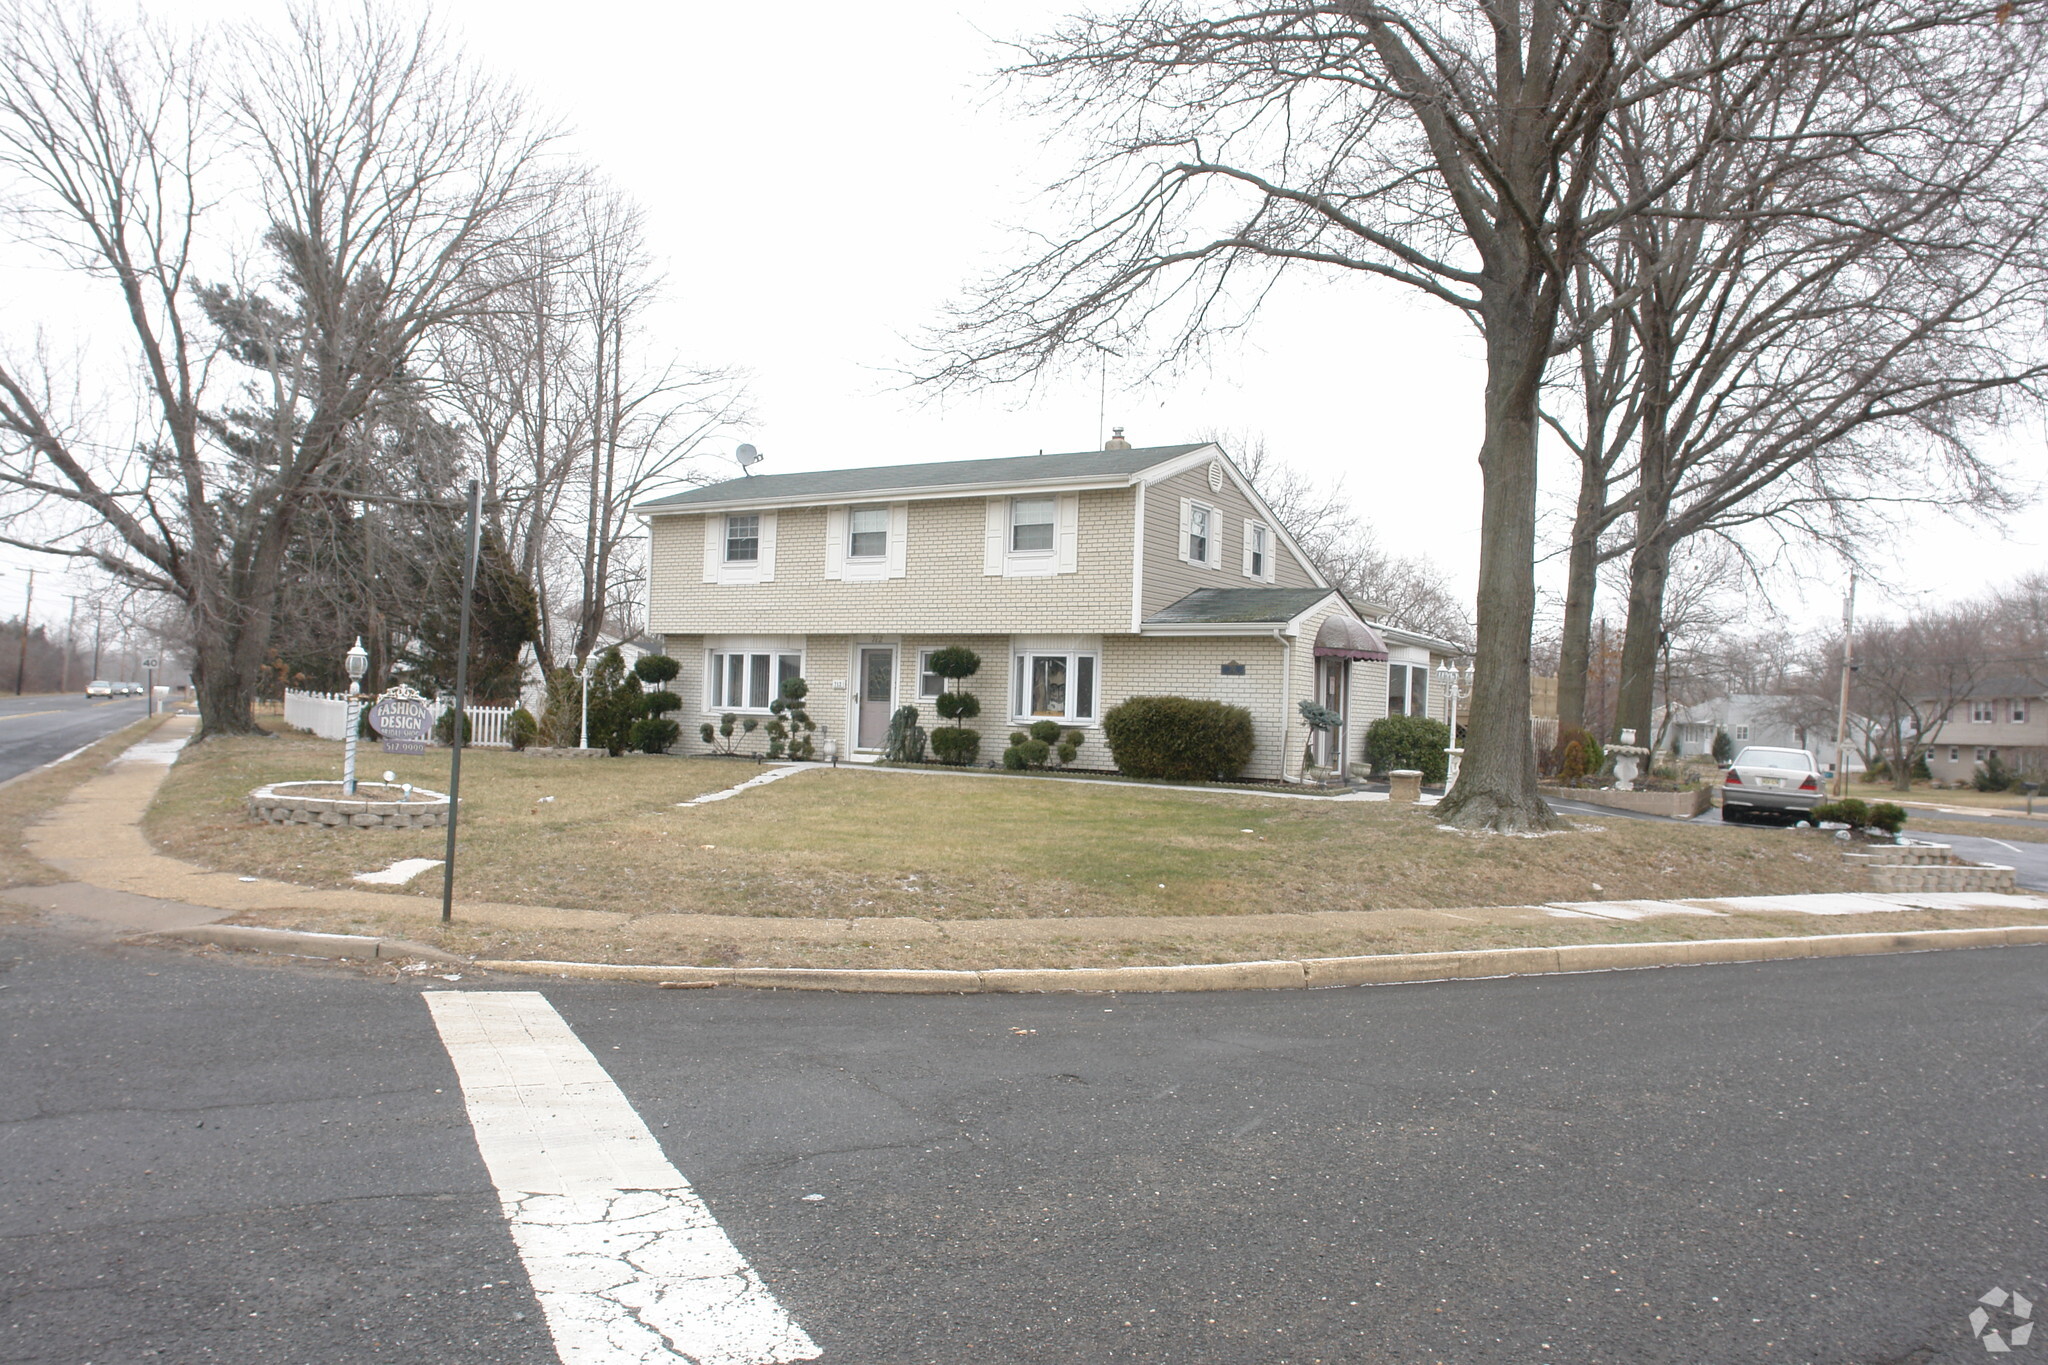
pixel 864 844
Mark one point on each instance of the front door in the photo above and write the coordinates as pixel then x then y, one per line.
pixel 877 692
pixel 1330 679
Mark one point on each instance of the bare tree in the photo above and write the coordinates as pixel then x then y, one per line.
pixel 1819 315
pixel 391 177
pixel 1910 677
pixel 1452 149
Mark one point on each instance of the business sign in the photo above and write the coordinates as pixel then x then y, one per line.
pixel 404 720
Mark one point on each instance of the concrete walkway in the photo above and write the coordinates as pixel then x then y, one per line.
pixel 120 882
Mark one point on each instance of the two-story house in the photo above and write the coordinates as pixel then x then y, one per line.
pixel 1080 579
pixel 2006 716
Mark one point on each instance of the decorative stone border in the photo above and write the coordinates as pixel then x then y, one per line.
pixel 1680 805
pixel 1928 867
pixel 293 803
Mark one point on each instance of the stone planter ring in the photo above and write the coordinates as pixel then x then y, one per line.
pixel 376 805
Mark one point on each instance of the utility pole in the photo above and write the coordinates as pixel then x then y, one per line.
pixel 70 635
pixel 97 609
pixel 1842 709
pixel 21 664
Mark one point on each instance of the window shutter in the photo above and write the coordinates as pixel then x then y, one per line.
pixel 1247 549
pixel 1067 532
pixel 899 531
pixel 767 548
pixel 835 542
pixel 714 546
pixel 1187 521
pixel 998 535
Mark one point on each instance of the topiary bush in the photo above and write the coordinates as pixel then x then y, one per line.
pixel 1724 748
pixel 1178 738
pixel 1411 742
pixel 789 725
pixel 956 706
pixel 1039 746
pixel 956 745
pixel 654 734
pixel 521 729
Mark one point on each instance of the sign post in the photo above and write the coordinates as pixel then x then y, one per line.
pixel 470 531
pixel 149 698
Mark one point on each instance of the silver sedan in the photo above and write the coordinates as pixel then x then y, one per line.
pixel 1761 781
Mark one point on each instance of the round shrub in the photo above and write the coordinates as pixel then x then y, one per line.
pixel 956 706
pixel 954 662
pixel 660 703
pixel 1178 738
pixel 955 745
pixel 1415 742
pixel 1046 731
pixel 654 734
pixel 1017 737
pixel 1572 767
pixel 1888 816
pixel 444 728
pixel 657 668
pixel 521 729
pixel 1013 758
pixel 1035 752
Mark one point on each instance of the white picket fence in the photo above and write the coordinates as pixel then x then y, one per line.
pixel 326 715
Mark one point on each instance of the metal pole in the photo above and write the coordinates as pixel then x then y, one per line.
pixel 469 543
pixel 21 664
pixel 584 741
pixel 348 735
pixel 70 634
pixel 1842 708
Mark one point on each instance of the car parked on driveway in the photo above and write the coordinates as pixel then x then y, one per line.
pixel 1782 782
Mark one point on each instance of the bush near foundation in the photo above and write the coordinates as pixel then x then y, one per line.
pixel 954 744
pixel 1179 739
pixel 1408 742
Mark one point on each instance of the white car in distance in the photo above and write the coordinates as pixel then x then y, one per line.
pixel 1782 782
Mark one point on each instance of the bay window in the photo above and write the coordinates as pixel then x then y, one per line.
pixel 740 681
pixel 1055 686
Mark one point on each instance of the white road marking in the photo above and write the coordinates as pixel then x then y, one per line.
pixel 2002 844
pixel 400 872
pixel 628 1263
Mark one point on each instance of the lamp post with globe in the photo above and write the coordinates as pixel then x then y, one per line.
pixel 584 741
pixel 1447 674
pixel 357 661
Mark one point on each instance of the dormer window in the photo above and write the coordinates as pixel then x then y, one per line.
pixel 867 533
pixel 1031 525
pixel 743 539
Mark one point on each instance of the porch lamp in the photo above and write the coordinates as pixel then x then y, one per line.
pixel 357 661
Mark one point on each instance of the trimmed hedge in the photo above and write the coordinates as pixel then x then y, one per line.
pixel 1178 738
pixel 951 744
pixel 1412 742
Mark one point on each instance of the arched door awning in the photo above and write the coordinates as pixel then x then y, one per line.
pixel 1343 638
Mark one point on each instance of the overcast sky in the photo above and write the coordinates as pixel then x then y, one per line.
pixel 820 179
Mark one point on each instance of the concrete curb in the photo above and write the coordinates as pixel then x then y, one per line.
pixel 306 943
pixel 1379 969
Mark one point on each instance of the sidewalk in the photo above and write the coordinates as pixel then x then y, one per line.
pixel 96 840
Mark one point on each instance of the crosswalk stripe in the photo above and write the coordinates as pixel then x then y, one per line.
pixel 627 1262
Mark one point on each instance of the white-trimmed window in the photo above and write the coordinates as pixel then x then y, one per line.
pixel 1032 525
pixel 739 547
pixel 2019 710
pixel 743 538
pixel 747 680
pixel 1407 689
pixel 867 533
pixel 1982 712
pixel 1741 733
pixel 1258 551
pixel 1033 535
pixel 929 684
pixel 1055 686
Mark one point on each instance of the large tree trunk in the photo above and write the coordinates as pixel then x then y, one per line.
pixel 1582 576
pixel 1648 570
pixel 1496 786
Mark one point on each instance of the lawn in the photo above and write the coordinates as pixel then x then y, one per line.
pixel 606 834
pixel 1964 798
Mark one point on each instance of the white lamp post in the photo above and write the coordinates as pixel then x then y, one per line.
pixel 584 742
pixel 357 661
pixel 1447 674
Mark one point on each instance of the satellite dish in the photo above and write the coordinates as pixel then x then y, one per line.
pixel 747 456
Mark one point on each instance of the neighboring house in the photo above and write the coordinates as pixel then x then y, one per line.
pixel 1080 579
pixel 1762 718
pixel 2006 716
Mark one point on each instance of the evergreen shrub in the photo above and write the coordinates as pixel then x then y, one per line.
pixel 1178 738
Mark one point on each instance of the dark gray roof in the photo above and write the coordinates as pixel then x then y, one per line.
pixel 1228 606
pixel 907 478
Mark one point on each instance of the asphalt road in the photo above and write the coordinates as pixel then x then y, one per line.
pixel 207 1159
pixel 34 730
